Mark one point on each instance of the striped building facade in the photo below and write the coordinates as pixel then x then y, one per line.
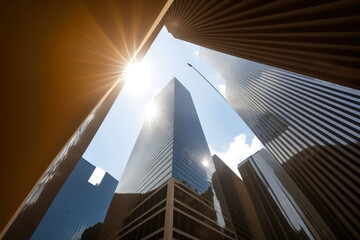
pixel 315 38
pixel 283 210
pixel 311 127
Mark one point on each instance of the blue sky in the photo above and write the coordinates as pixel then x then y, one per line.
pixel 226 134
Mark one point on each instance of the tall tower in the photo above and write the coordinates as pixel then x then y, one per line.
pixel 314 38
pixel 82 202
pixel 311 127
pixel 166 190
pixel 242 211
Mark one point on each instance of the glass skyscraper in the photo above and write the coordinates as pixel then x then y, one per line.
pixel 79 204
pixel 242 211
pixel 283 210
pixel 311 127
pixel 166 190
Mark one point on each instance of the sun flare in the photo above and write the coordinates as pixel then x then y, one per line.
pixel 205 163
pixel 152 111
pixel 137 76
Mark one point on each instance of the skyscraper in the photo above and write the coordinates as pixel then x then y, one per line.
pixel 311 127
pixel 166 190
pixel 284 211
pixel 82 202
pixel 242 212
pixel 314 38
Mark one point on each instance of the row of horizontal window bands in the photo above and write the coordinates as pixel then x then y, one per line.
pixel 191 175
pixel 350 168
pixel 156 175
pixel 184 180
pixel 179 175
pixel 133 181
pixel 142 219
pixel 348 114
pixel 163 150
pixel 152 166
pixel 212 19
pixel 95 211
pixel 181 207
pixel 199 206
pixel 351 128
pixel 286 95
pixel 334 157
pixel 198 147
pixel 274 152
pixel 204 198
pixel 334 103
pixel 263 130
pixel 261 136
pixel 193 159
pixel 143 231
pixel 201 199
pixel 189 225
pixel 166 175
pixel 326 89
pixel 342 102
pixel 145 205
pixel 198 176
pixel 185 189
pixel 136 202
pixel 191 153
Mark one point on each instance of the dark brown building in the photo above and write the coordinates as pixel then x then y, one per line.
pixel 315 38
pixel 61 64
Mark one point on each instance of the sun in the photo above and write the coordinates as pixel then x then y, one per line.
pixel 205 163
pixel 152 111
pixel 137 76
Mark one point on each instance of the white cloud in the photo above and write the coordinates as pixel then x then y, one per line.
pixel 238 151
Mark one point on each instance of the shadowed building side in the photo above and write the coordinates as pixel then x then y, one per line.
pixel 59 60
pixel 284 210
pixel 315 38
pixel 243 215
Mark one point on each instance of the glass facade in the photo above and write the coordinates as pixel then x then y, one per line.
pixel 78 205
pixel 242 212
pixel 150 162
pixel 311 127
pixel 285 211
pixel 171 157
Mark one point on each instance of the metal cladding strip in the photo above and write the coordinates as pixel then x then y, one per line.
pixel 315 38
pixel 310 126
